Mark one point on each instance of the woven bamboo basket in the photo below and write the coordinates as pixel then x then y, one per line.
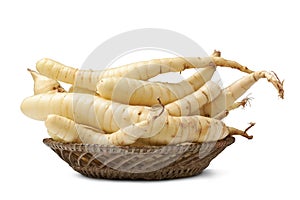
pixel 148 162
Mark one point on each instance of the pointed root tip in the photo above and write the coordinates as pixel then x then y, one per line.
pixel 32 73
pixel 30 70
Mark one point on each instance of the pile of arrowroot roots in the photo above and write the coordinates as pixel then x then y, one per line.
pixel 121 106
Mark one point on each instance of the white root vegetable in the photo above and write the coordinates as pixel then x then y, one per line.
pixel 56 70
pixel 62 129
pixel 144 70
pixel 141 70
pixel 159 129
pixel 138 92
pixel 230 94
pixel 84 109
pixel 189 111
pixel 43 84
pixel 103 114
pixel 191 129
pixel 66 130
pixel 192 104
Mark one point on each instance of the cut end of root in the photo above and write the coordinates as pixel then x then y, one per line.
pixel 216 53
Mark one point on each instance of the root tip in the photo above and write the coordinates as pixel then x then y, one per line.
pixel 249 137
pixel 246 101
pixel 234 131
pixel 245 132
pixel 279 85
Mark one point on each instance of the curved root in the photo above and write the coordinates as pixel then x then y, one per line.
pixel 273 78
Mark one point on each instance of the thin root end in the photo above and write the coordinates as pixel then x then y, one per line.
pixel 159 102
pixel 234 131
pixel 249 137
pixel 162 105
pixel 278 84
pixel 281 90
pixel 250 126
pixel 32 73
pixel 246 101
pixel 219 61
pixel 243 103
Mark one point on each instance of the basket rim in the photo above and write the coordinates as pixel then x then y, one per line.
pixel 93 148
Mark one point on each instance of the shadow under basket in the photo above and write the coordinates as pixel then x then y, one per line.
pixel 148 162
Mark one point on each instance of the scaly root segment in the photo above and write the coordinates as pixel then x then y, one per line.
pixel 234 131
pixel 219 61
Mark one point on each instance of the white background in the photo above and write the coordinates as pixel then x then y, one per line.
pixel 260 34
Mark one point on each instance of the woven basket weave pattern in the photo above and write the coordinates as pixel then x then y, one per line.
pixel 150 162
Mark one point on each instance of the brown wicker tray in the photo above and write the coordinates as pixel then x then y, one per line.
pixel 150 162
